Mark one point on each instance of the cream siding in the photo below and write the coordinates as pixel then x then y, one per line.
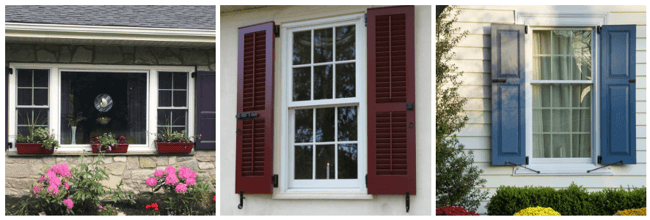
pixel 473 58
pixel 266 204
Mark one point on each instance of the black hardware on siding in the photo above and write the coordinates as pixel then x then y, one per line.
pixel 633 81
pixel 241 199
pixel 275 180
pixel 600 159
pixel 11 145
pixel 366 17
pixel 498 80
pixel 366 180
pixel 9 70
pixel 526 29
pixel 193 74
pixel 410 106
pixel 526 160
pixel 408 202
pixel 508 162
pixel 599 29
pixel 277 31
pixel 246 115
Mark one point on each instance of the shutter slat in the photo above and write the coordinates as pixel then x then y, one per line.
pixel 618 118
pixel 391 84
pixel 255 94
pixel 508 99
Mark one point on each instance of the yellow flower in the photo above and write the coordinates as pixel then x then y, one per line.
pixel 537 211
pixel 640 211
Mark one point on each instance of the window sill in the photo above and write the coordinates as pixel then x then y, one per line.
pixel 322 195
pixel 563 169
pixel 79 152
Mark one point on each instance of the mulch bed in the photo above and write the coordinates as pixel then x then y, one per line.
pixel 25 206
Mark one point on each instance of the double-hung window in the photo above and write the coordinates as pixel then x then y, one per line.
pixel 326 105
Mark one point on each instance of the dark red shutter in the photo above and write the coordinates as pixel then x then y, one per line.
pixel 391 88
pixel 205 110
pixel 255 95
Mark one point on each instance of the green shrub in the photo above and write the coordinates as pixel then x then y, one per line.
pixel 574 200
pixel 87 189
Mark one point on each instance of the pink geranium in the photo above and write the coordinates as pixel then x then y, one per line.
pixel 171 179
pixel 190 182
pixel 151 182
pixel 159 173
pixel 68 203
pixel 170 170
pixel 181 188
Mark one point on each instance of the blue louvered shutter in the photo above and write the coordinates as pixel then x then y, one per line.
pixel 508 94
pixel 617 116
pixel 205 110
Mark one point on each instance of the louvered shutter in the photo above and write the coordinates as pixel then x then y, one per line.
pixel 7 72
pixel 508 95
pixel 391 86
pixel 617 108
pixel 255 95
pixel 205 110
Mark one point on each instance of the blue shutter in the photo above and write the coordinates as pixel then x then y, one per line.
pixel 7 72
pixel 205 110
pixel 617 95
pixel 508 95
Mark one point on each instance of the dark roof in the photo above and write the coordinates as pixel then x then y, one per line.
pixel 161 16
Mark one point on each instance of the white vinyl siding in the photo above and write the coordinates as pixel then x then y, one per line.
pixel 473 58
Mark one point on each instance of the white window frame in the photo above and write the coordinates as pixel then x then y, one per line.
pixel 327 188
pixel 546 21
pixel 172 107
pixel 54 101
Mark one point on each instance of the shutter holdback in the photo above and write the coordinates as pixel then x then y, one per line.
pixel 241 199
pixel 408 202
pixel 600 160
pixel 508 162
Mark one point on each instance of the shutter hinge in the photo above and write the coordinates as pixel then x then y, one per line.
pixel 11 145
pixel 498 80
pixel 193 74
pixel 526 160
pixel 277 31
pixel 9 70
pixel 246 115
pixel 526 29
pixel 366 180
pixel 275 180
pixel 633 81
pixel 408 202
pixel 410 106
pixel 241 199
pixel 599 29
pixel 600 159
pixel 366 18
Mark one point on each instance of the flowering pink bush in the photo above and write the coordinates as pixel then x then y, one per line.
pixel 68 203
pixel 159 173
pixel 151 182
pixel 56 185
pixel 170 170
pixel 177 185
pixel 171 179
pixel 190 182
pixel 181 188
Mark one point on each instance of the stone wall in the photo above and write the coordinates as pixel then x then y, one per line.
pixel 22 172
pixel 116 55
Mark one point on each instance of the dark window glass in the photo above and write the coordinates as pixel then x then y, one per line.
pixel 347 123
pixel 347 158
pixel 345 80
pixel 323 82
pixel 301 83
pixel 301 47
pixel 345 43
pixel 303 162
pixel 323 45
pixel 304 125
pixel 325 162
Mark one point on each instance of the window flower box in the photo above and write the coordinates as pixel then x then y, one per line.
pixel 122 146
pixel 174 147
pixel 33 148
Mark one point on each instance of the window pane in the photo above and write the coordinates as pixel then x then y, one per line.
pixel 581 96
pixel 345 80
pixel 303 163
pixel 40 97
pixel 172 117
pixel 323 82
pixel 560 95
pixel 180 98
pixel 41 78
pixel 25 97
pixel 325 124
pixel 301 83
pixel 180 80
pixel 301 47
pixel 27 116
pixel 24 78
pixel 325 162
pixel 345 43
pixel 164 80
pixel 581 120
pixel 581 146
pixel 562 55
pixel 323 45
pixel 127 117
pixel 561 145
pixel 542 42
pixel 164 98
pixel 347 123
pixel 304 125
pixel 347 158
pixel 542 68
pixel 562 42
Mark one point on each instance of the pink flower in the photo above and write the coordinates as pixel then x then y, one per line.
pixel 181 188
pixel 170 170
pixel 52 189
pixel 109 148
pixel 100 207
pixel 42 178
pixel 192 175
pixel 68 203
pixel 53 179
pixel 37 188
pixel 184 172
pixel 159 173
pixel 151 182
pixel 67 186
pixel 190 182
pixel 171 179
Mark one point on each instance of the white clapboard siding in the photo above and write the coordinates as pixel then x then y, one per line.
pixel 474 66
pixel 475 91
pixel 640 119
pixel 640 31
pixel 479 117
pixel 477 40
pixel 475 143
pixel 473 130
pixel 478 79
pixel 640 56
pixel 641 82
pixel 471 53
pixel 640 144
pixel 640 106
pixel 640 95
pixel 640 43
pixel 640 131
pixel 640 68
pixel 474 28
pixel 491 16
pixel 480 104
pixel 626 18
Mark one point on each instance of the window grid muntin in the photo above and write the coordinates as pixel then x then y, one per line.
pixel 172 107
pixel 32 107
pixel 571 83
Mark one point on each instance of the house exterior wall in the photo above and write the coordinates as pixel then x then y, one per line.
pixel 22 172
pixel 473 58
pixel 266 204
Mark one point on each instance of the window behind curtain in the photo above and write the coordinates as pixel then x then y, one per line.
pixel 562 109
pixel 32 94
pixel 172 101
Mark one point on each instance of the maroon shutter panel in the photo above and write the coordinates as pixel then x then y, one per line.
pixel 391 85
pixel 255 95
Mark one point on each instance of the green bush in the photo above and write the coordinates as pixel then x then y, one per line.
pixel 574 200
